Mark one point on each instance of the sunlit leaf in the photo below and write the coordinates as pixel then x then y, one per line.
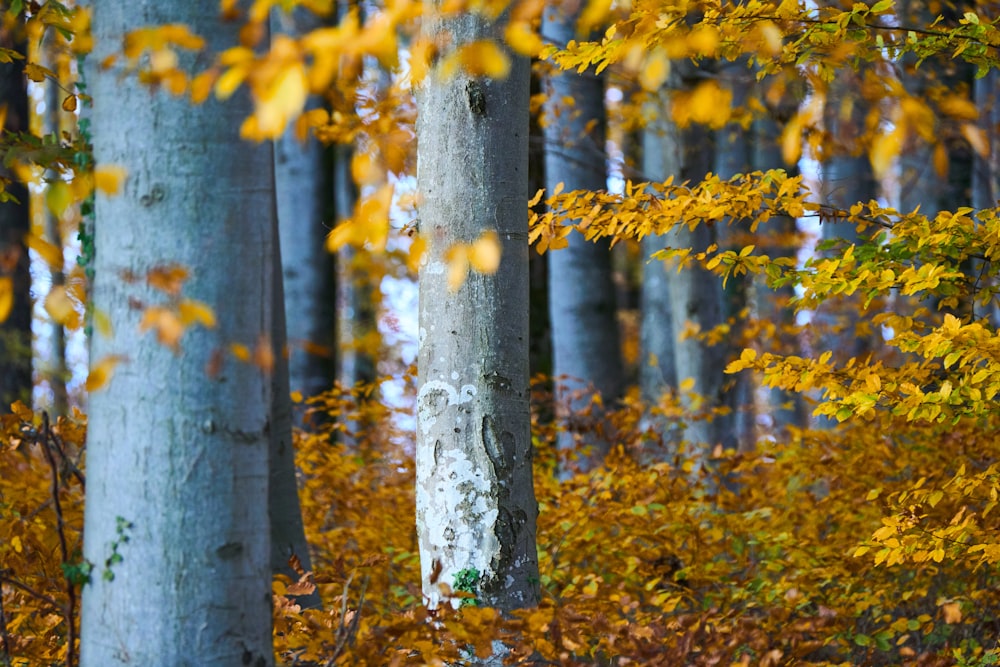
pixel 6 297
pixel 484 254
pixel 102 372
pixel 108 178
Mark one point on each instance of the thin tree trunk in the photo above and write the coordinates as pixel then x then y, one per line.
pixel 661 159
pixel 15 223
pixel 56 371
pixel 176 521
pixel 476 508
pixel 302 181
pixel 734 155
pixel 585 338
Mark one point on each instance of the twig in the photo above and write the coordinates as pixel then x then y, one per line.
pixel 69 611
pixel 30 591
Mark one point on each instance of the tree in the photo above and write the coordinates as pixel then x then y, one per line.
pixel 303 188
pixel 15 223
pixel 176 525
pixel 585 341
pixel 476 508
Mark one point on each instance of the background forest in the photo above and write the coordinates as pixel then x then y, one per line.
pixel 488 332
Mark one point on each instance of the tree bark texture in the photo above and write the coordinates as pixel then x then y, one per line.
pixel 176 521
pixel 476 508
pixel 15 223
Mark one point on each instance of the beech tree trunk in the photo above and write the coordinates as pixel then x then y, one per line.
pixel 177 516
pixel 661 158
pixel 845 178
pixel 15 223
pixel 302 182
pixel 586 350
pixel 476 508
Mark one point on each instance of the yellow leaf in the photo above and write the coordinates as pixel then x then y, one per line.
pixel 102 323
pixel 364 169
pixel 522 39
pixel 458 266
pixel 69 103
pixel 959 107
pixel 230 81
pixel 940 160
pixel 6 297
pixel 687 384
pixel 169 278
pixel 101 372
pixel 977 138
pixel 201 85
pixel 703 40
pixel 481 58
pixel 884 150
pixel 16 543
pixel 297 397
pixel 240 351
pixel 108 178
pixel 196 312
pixel 655 70
pixel 37 73
pixel 484 255
pixel 416 253
pixel 952 612
pixel 594 14
pixel 61 308
pixel 282 100
pixel 166 323
pixel 58 197
pixel 50 254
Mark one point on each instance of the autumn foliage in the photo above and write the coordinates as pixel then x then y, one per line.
pixel 874 543
pixel 875 540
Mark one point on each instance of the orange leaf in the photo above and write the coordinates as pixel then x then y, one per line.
pixel 6 297
pixel 101 372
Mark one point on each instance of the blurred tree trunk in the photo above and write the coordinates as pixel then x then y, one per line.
pixel 56 372
pixel 773 306
pixel 583 316
pixel 734 155
pixel 302 182
pixel 476 508
pixel 15 223
pixel 661 159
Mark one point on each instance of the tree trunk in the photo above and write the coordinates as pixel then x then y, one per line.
pixel 782 408
pixel 302 182
pixel 176 522
pixel 476 508
pixel 661 158
pixel 585 339
pixel 734 155
pixel 15 223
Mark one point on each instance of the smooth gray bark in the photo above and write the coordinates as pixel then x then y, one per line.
pixel 846 178
pixel 734 155
pixel 15 223
pixel 476 508
pixel 661 158
pixel 586 350
pixel 302 181
pixel 783 408
pixel 693 297
pixel 176 521
pixel 356 311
